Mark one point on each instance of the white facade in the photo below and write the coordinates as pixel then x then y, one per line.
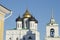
pixel 32 23
pixel 55 27
pixel 26 29
pixel 14 34
pixel 52 30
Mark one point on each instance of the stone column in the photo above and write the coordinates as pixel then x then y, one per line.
pixel 3 12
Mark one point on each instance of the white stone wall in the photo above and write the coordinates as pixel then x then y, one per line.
pixel 19 34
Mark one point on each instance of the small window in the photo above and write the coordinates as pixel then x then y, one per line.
pixel 52 32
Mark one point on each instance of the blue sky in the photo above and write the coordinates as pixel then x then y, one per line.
pixel 40 9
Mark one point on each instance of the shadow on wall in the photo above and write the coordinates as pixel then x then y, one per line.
pixel 29 36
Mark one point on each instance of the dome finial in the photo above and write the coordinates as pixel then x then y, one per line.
pixel 27 8
pixel 52 20
pixel 27 14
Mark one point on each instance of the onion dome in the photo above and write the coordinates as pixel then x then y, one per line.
pixel 18 19
pixel 52 20
pixel 27 14
pixel 33 19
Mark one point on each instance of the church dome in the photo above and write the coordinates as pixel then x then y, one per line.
pixel 52 21
pixel 33 19
pixel 27 14
pixel 18 19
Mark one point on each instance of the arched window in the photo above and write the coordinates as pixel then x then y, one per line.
pixel 27 24
pixel 9 38
pixel 30 38
pixel 52 32
pixel 16 38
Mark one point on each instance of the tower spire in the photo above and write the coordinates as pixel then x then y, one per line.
pixel 26 7
pixel 52 21
pixel 52 14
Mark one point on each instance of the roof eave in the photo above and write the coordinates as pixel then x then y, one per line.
pixel 4 9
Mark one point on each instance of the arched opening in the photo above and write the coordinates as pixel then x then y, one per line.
pixel 9 38
pixel 30 38
pixel 52 32
pixel 16 38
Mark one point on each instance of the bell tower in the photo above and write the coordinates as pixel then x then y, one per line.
pixel 52 30
pixel 3 12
